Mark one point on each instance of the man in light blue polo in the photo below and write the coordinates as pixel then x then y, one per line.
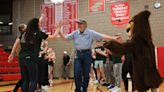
pixel 83 39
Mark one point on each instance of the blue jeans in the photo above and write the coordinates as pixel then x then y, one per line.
pixel 82 67
pixel 29 72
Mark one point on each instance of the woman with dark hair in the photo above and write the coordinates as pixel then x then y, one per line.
pixel 30 43
pixel 145 74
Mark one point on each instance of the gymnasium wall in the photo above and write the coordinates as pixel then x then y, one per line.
pixel 24 10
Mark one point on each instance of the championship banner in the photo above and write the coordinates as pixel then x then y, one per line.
pixel 53 13
pixel 70 15
pixel 96 6
pixel 48 22
pixel 120 13
pixel 113 1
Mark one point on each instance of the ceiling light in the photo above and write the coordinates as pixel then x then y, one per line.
pixel 57 1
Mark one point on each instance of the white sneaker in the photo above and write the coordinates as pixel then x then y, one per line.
pixel 96 82
pixel 51 83
pixel 116 89
pixel 45 87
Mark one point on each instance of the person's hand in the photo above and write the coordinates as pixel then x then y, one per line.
pixel 10 58
pixel 69 63
pixel 94 57
pixel 108 51
pixel 115 38
pixel 123 58
pixel 54 61
pixel 46 57
pixel 59 25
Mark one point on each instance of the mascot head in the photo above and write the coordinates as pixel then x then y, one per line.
pixel 141 27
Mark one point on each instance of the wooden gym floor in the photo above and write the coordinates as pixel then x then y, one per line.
pixel 68 86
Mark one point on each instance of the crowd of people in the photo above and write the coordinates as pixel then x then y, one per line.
pixel 107 64
pixel 107 67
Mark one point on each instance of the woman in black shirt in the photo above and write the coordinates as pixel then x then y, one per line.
pixel 30 43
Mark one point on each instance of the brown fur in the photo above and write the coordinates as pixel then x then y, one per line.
pixel 145 73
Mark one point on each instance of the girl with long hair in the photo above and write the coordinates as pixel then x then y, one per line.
pixel 30 43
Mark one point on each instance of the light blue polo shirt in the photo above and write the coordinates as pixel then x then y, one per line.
pixel 84 40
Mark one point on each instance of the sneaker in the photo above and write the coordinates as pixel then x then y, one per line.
pixel 115 89
pixel 51 83
pixel 45 87
pixel 110 86
pixel 96 82
pixel 118 90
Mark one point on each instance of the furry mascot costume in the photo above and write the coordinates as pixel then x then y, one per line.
pixel 145 73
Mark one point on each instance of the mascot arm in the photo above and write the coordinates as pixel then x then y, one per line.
pixel 119 48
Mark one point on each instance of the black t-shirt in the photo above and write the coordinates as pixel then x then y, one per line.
pixel 66 59
pixel 31 49
pixel 110 57
pixel 99 56
pixel 116 59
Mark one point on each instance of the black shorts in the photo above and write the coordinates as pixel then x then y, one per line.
pixel 51 63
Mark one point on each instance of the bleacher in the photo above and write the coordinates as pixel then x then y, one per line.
pixel 9 71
